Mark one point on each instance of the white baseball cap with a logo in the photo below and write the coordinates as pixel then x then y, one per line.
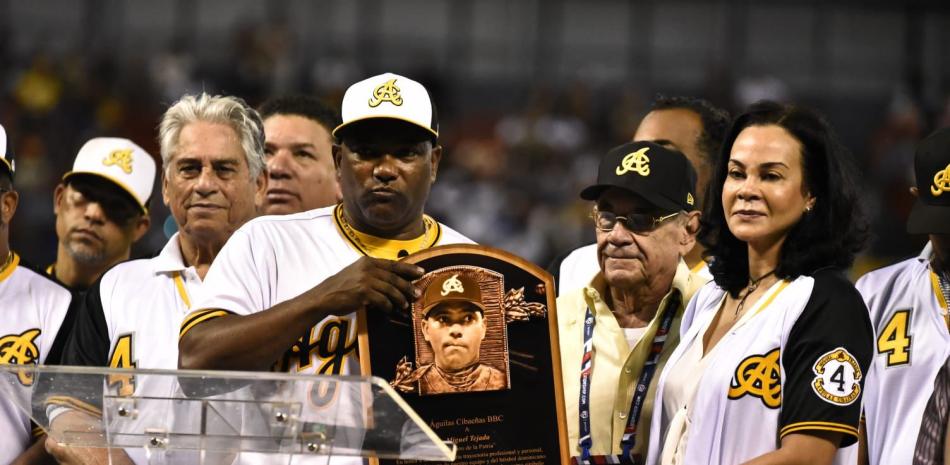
pixel 6 152
pixel 120 161
pixel 389 96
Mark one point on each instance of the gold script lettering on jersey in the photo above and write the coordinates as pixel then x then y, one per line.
pixel 386 92
pixel 330 342
pixel 120 158
pixel 637 162
pixel 759 376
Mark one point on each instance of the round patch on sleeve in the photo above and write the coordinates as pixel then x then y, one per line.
pixel 838 376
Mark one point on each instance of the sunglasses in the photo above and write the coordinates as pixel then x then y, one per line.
pixel 634 222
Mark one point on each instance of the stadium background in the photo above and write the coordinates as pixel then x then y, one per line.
pixel 530 92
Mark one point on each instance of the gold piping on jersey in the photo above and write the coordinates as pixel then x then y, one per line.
pixel 772 297
pixel 200 316
pixel 935 284
pixel 180 285
pixel 818 425
pixel 378 247
pixel 10 264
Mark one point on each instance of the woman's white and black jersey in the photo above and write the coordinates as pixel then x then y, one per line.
pixel 909 314
pixel 33 308
pixel 797 365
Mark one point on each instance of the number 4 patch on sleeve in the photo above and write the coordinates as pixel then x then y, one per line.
pixel 837 377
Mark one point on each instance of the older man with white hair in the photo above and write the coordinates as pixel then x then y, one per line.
pixel 213 172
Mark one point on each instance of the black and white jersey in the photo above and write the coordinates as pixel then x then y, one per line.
pixel 796 365
pixel 130 319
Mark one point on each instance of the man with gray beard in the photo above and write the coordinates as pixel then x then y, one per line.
pixel 101 208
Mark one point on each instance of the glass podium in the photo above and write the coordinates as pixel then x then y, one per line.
pixel 219 417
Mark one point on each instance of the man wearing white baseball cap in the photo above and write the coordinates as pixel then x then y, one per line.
pixel 287 288
pixel 101 208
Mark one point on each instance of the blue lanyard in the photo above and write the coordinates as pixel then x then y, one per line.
pixel 639 394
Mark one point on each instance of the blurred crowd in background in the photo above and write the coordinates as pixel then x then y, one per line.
pixel 530 93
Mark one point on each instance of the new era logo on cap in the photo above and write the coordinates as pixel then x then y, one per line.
pixel 120 161
pixel 389 96
pixel 6 152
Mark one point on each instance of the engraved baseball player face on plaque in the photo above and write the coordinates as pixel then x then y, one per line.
pixel 476 356
pixel 451 318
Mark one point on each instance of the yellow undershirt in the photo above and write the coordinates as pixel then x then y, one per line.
pixel 9 265
pixel 390 249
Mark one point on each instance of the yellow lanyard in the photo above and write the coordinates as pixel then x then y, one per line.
pixel 180 284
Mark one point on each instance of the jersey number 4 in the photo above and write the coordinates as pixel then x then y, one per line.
pixel 122 358
pixel 894 340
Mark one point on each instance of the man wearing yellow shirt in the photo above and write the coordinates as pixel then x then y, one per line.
pixel 616 332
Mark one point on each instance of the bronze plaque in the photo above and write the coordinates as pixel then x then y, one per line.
pixel 477 356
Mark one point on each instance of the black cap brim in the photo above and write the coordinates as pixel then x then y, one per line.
pixel 593 193
pixel 928 219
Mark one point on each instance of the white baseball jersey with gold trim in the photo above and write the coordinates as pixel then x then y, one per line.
pixel 911 345
pixel 796 365
pixel 272 259
pixel 33 308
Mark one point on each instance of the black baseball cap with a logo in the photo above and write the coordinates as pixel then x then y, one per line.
pixel 663 177
pixel 931 212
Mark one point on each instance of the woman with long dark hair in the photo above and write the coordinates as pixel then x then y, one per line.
pixel 773 354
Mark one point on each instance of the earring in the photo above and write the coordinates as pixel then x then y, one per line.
pixel 808 209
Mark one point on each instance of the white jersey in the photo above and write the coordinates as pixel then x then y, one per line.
pixel 795 365
pixel 577 269
pixel 272 259
pixel 33 309
pixel 580 266
pixel 909 318
pixel 130 319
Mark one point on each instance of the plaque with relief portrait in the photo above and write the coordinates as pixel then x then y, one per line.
pixel 476 356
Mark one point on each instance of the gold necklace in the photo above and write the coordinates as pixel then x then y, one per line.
pixel 753 285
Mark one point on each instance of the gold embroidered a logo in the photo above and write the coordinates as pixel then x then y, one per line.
pixel 689 198
pixel 386 92
pixel 638 162
pixel 941 182
pixel 452 285
pixel 120 158
pixel 19 349
pixel 759 376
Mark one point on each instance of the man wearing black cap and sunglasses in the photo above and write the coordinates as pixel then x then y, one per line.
pixel 616 333
pixel 908 305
